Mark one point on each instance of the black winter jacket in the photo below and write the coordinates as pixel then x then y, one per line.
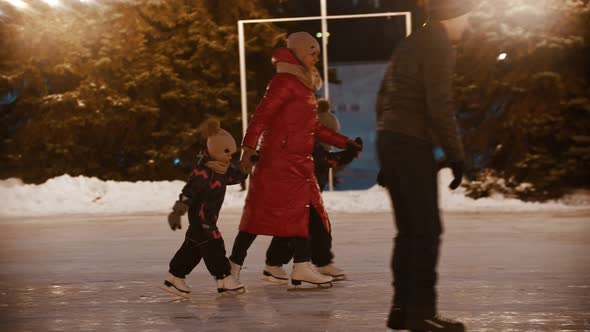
pixel 415 98
pixel 204 194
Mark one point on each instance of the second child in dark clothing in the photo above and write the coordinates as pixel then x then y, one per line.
pixel 202 197
pixel 321 150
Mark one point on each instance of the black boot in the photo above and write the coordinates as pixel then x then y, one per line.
pixel 397 319
pixel 434 324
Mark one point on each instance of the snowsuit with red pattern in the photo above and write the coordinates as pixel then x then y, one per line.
pixel 204 194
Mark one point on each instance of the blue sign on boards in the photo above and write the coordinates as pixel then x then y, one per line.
pixel 353 101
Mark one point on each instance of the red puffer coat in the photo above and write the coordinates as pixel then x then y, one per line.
pixel 283 185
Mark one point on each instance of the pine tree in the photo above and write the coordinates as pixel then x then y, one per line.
pixel 524 96
pixel 118 91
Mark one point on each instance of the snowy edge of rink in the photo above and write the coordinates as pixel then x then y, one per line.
pixel 83 195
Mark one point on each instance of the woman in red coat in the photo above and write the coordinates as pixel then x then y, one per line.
pixel 283 188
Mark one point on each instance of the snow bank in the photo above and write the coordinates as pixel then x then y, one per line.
pixel 74 195
pixel 376 199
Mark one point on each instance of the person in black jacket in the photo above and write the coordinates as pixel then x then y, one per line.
pixel 202 197
pixel 415 110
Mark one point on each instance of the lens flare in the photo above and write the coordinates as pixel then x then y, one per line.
pixel 52 3
pixel 17 3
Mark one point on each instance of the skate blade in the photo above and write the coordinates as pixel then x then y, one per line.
pixel 175 292
pixel 339 278
pixel 309 287
pixel 179 299
pixel 230 293
pixel 274 280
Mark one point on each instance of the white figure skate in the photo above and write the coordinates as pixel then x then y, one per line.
pixel 275 274
pixel 306 273
pixel 230 286
pixel 235 270
pixel 176 286
pixel 332 271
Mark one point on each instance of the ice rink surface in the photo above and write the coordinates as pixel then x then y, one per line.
pixel 498 272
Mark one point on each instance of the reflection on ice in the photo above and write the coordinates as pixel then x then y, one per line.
pixel 501 285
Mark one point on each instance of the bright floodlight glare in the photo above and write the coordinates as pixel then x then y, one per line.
pixel 52 3
pixel 17 3
pixel 502 56
pixel 319 34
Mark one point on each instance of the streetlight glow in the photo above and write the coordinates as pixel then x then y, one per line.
pixel 52 3
pixel 17 3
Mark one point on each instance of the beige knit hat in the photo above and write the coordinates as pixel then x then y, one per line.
pixel 220 143
pixel 302 44
pixel 327 119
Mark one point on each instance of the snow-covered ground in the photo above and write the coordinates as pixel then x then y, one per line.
pixel 83 195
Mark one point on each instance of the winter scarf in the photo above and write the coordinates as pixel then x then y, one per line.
pixel 217 166
pixel 308 76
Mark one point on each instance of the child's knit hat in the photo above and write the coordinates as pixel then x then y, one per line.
pixel 219 142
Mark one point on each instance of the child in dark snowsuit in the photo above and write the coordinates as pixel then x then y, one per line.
pixel 202 197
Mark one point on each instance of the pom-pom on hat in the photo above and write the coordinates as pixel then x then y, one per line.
pixel 220 143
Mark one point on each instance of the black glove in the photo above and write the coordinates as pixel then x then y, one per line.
pixel 457 167
pixel 354 147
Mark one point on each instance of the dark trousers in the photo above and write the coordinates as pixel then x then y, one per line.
pixel 243 241
pixel 409 172
pixel 320 239
pixel 280 252
pixel 193 249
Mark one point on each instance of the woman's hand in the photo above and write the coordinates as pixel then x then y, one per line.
pixel 249 156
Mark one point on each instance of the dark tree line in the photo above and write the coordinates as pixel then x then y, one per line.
pixel 118 91
pixel 524 96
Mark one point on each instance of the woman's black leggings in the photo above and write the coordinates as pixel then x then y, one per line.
pixel 244 240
